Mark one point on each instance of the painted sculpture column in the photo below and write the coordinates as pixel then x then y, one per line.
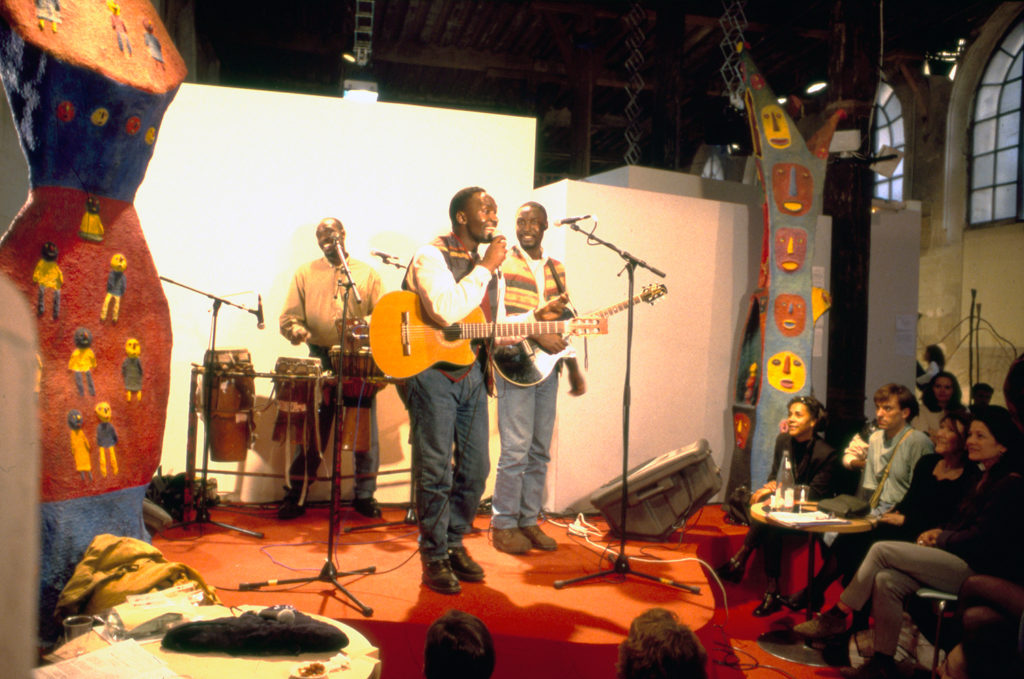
pixel 775 352
pixel 88 82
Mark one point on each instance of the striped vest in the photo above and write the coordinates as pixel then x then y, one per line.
pixel 521 294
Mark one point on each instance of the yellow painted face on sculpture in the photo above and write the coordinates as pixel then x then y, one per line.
pixel 132 348
pixel 786 372
pixel 118 262
pixel 103 411
pixel 775 126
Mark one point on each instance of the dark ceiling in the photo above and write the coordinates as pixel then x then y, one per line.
pixel 560 62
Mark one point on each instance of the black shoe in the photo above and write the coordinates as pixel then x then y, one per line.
pixel 290 508
pixel 732 571
pixel 438 576
pixel 367 506
pixel 769 604
pixel 798 601
pixel 463 566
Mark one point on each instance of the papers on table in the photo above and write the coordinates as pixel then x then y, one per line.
pixel 123 660
pixel 804 519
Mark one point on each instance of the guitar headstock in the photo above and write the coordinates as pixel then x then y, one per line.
pixel 588 325
pixel 653 292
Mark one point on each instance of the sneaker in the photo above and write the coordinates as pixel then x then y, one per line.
pixel 290 508
pixel 438 576
pixel 463 566
pixel 511 541
pixel 878 666
pixel 537 538
pixel 367 506
pixel 823 626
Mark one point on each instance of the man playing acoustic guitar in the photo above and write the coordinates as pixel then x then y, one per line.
pixel 451 281
pixel 526 411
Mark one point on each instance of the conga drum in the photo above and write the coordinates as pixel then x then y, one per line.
pixel 232 399
pixel 295 385
pixel 361 380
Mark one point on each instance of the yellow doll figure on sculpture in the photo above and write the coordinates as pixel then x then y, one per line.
pixel 48 276
pixel 106 438
pixel 91 227
pixel 116 285
pixel 79 445
pixel 82 361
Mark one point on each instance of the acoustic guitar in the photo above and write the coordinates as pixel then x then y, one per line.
pixel 526 364
pixel 405 341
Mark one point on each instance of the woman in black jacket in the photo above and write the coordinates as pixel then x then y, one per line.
pixel 814 465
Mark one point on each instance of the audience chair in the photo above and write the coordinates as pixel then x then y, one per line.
pixel 940 602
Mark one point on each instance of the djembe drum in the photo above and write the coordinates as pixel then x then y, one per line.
pixel 296 392
pixel 361 380
pixel 232 399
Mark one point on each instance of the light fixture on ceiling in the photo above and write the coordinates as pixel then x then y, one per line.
pixel 359 90
pixel 816 87
pixel 349 57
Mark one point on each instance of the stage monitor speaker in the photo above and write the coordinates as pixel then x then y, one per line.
pixel 662 493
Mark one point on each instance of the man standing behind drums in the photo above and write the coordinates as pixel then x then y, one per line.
pixel 448 403
pixel 314 303
pixel 526 414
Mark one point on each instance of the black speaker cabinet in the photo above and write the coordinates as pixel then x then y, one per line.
pixel 662 493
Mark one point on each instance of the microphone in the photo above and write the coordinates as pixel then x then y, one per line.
pixel 259 314
pixel 281 613
pixel 384 257
pixel 571 220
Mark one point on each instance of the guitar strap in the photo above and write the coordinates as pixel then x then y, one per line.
pixel 561 289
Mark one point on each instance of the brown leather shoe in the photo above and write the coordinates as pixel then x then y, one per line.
pixel 511 541
pixel 537 538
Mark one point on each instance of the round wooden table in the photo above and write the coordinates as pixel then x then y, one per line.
pixel 785 643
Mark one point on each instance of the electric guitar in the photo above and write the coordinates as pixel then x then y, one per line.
pixel 405 341
pixel 526 364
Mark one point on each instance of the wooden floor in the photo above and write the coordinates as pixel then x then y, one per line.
pixel 550 632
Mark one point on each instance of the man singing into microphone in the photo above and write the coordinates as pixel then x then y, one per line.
pixel 448 403
pixel 314 303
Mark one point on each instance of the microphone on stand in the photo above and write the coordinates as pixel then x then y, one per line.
pixel 384 257
pixel 571 220
pixel 259 313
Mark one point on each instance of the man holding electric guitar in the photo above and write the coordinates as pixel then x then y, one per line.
pixel 446 393
pixel 527 390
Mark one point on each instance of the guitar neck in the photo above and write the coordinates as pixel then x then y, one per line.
pixel 486 330
pixel 616 308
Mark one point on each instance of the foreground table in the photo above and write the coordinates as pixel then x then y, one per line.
pixel 786 644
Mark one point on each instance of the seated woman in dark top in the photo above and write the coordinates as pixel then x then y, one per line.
pixel 938 485
pixel 814 465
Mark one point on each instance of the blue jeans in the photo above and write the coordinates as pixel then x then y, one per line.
pixel 526 419
pixel 450 456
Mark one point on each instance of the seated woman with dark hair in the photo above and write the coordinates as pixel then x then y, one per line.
pixel 985 537
pixel 941 396
pixel 939 484
pixel 814 465
pixel 661 647
pixel 458 645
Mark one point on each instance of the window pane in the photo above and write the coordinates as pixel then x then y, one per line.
pixel 984 171
pixel 897 134
pixel 985 136
pixel 1006 202
pixel 1014 40
pixel 997 67
pixel 981 206
pixel 882 189
pixel 1008 132
pixel 897 189
pixel 1015 70
pixel 882 138
pixel 1006 166
pixel 1010 98
pixel 985 107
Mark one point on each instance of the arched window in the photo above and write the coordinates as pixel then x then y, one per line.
pixel 995 184
pixel 889 132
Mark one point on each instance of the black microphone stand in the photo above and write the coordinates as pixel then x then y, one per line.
pixel 202 511
pixel 620 562
pixel 410 518
pixel 329 573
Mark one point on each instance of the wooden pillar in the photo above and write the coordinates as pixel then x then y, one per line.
pixel 853 80
pixel 581 67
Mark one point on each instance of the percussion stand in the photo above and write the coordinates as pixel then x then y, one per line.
pixel 202 511
pixel 329 573
pixel 620 562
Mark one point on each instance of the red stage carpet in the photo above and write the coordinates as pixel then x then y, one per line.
pixel 540 630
